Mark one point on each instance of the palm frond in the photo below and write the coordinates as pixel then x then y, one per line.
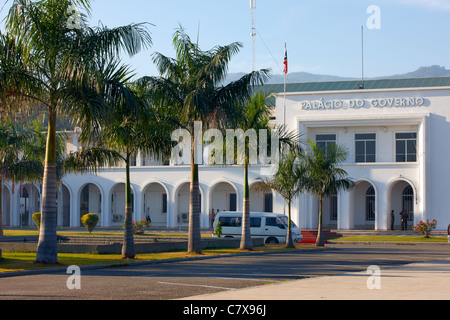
pixel 90 160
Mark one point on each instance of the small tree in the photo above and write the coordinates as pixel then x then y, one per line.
pixel 90 221
pixel 288 182
pixel 218 230
pixel 324 176
pixel 255 115
pixel 425 227
pixel 37 219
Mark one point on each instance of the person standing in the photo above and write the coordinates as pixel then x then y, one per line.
pixel 147 215
pixel 405 219
pixel 392 219
pixel 401 220
pixel 212 217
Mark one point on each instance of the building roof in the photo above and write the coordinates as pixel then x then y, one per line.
pixel 354 85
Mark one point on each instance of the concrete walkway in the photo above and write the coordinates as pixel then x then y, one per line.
pixel 418 281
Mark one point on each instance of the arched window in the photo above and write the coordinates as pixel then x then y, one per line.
pixel 408 202
pixel 370 204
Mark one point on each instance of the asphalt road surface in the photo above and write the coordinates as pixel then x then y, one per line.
pixel 166 281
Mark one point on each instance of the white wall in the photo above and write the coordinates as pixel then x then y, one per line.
pixel 429 176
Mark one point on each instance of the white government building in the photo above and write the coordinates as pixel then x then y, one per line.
pixel 397 133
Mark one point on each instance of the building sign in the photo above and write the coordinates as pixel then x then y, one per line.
pixel 363 103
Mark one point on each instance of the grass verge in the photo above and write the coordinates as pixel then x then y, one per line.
pixel 20 261
pixel 389 239
pixel 148 233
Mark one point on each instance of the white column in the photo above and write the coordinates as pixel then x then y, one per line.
pixel 421 204
pixel 382 212
pixel 302 218
pixel 343 210
pixel 139 210
pixel 106 208
pixel 75 207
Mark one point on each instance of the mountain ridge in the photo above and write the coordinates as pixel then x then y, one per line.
pixel 299 77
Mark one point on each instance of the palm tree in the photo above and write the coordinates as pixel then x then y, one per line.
pixel 55 61
pixel 16 160
pixel 34 150
pixel 255 115
pixel 134 126
pixel 22 155
pixel 192 84
pixel 288 181
pixel 324 176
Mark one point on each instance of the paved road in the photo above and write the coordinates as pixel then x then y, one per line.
pixel 166 281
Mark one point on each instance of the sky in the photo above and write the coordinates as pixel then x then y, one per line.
pixel 322 36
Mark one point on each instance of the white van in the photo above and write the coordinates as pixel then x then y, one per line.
pixel 270 226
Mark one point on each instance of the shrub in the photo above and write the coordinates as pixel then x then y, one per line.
pixel 425 228
pixel 218 230
pixel 140 226
pixel 90 221
pixel 37 219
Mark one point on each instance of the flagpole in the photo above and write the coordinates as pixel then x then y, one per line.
pixel 284 112
pixel 285 72
pixel 284 100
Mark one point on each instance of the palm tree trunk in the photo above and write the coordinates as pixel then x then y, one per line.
pixel 246 239
pixel 1 206
pixel 320 241
pixel 194 236
pixel 289 240
pixel 47 246
pixel 128 247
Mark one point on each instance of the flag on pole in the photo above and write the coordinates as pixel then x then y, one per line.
pixel 285 60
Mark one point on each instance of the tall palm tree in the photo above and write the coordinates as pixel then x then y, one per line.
pixel 192 84
pixel 55 61
pixel 288 181
pixel 134 125
pixel 256 115
pixel 324 176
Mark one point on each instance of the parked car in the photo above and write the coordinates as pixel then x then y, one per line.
pixel 270 226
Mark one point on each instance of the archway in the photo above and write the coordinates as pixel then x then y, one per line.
pixel 182 199
pixel 29 203
pixel 260 201
pixel 402 198
pixel 223 197
pixel 118 200
pixel 90 200
pixel 363 212
pixel 6 206
pixel 155 204
pixel 63 196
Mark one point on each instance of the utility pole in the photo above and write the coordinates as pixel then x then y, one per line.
pixel 253 33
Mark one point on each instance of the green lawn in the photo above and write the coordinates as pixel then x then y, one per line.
pixel 391 239
pixel 102 233
pixel 19 261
